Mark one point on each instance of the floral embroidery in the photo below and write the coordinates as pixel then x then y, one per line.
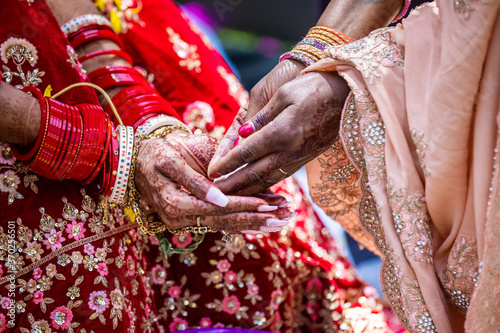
pixel 367 54
pixel 73 60
pixel 19 50
pixel 421 146
pixel 405 299
pixel 411 222
pixel 466 7
pixel 189 57
pixel 460 277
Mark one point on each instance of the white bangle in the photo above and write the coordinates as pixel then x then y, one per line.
pixel 152 124
pixel 126 146
pixel 75 24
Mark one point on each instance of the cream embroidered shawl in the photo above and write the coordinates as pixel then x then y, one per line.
pixel 419 138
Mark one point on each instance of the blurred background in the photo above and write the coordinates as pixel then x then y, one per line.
pixel 251 35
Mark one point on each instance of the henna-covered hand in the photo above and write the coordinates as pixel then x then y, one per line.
pixel 264 90
pixel 299 123
pixel 170 175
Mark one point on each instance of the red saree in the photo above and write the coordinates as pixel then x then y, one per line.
pixel 71 263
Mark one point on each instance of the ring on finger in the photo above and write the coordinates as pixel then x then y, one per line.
pixel 283 172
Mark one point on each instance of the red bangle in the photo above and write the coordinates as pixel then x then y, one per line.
pixel 122 54
pixel 119 79
pixel 112 70
pixel 130 92
pixel 93 34
pixel 55 143
pixel 72 35
pixel 43 127
pixel 73 144
pixel 104 152
pixel 79 132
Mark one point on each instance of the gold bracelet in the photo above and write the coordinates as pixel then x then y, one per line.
pixel 132 196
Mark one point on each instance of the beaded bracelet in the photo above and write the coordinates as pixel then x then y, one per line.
pixel 79 22
pixel 403 11
pixel 125 136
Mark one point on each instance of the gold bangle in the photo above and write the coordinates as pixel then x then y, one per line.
pixel 132 197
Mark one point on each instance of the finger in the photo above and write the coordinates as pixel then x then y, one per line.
pixel 176 168
pixel 269 112
pixel 277 136
pixel 244 221
pixel 260 175
pixel 227 141
pixel 274 199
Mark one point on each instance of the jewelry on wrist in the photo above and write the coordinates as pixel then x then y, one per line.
pixel 311 48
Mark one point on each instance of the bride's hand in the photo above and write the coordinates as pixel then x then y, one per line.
pixel 170 175
pixel 264 90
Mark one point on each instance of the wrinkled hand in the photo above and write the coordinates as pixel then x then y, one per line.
pixel 264 90
pixel 170 177
pixel 300 122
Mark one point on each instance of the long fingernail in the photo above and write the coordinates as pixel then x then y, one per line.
pixel 291 217
pixel 251 232
pixel 246 130
pixel 285 204
pixel 216 197
pixel 276 223
pixel 266 208
pixel 215 175
pixel 270 229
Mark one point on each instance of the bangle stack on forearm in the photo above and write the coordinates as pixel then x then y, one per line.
pixel 311 48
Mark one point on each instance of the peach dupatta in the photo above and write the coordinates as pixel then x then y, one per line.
pixel 414 163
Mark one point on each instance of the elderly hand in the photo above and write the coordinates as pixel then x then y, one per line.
pixel 167 167
pixel 285 71
pixel 300 122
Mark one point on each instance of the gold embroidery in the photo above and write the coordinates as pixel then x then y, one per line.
pixel 368 53
pixel 411 222
pixel 19 50
pixel 235 88
pixel 399 295
pixel 460 277
pixel 189 57
pixel 421 146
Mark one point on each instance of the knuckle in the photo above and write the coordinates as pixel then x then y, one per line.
pixel 253 177
pixel 246 155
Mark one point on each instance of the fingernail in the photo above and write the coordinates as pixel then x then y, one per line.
pixel 215 175
pixel 216 197
pixel 246 130
pixel 236 142
pixel 270 229
pixel 276 223
pixel 291 217
pixel 251 232
pixel 285 204
pixel 266 208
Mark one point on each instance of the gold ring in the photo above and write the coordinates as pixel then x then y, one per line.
pixel 283 172
pixel 198 221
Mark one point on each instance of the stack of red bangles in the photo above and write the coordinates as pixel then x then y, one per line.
pixel 73 142
pixel 137 101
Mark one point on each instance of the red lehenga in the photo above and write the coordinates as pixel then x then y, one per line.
pixel 71 263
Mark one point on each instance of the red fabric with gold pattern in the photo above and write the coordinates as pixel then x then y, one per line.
pixel 78 265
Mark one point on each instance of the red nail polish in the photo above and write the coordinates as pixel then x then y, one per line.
pixel 236 142
pixel 215 175
pixel 246 130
